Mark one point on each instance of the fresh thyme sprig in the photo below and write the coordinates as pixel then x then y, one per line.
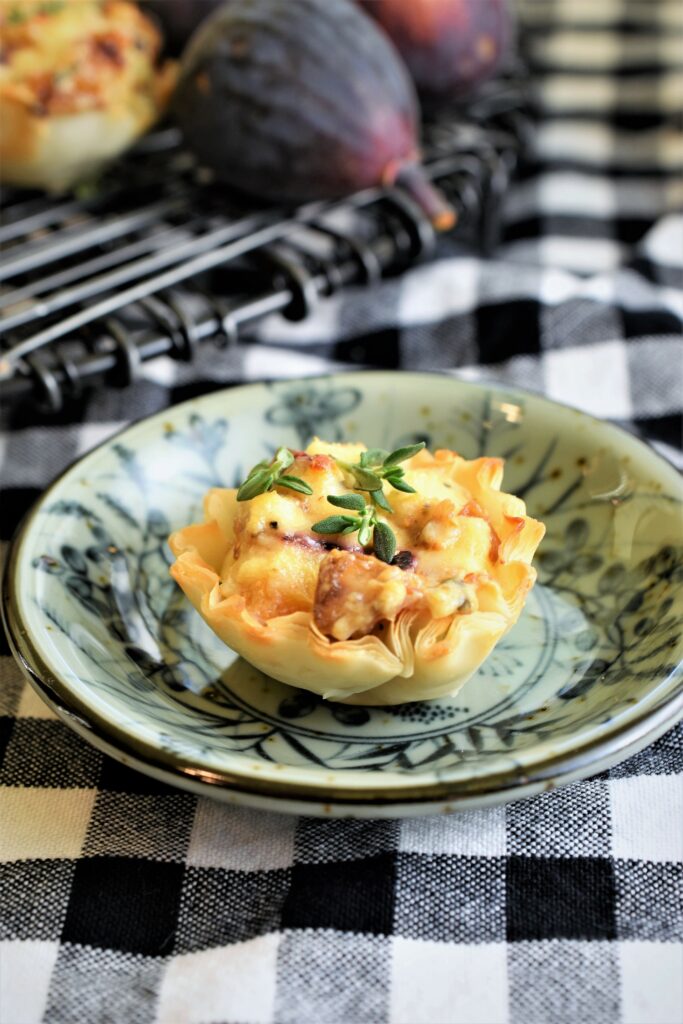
pixel 376 465
pixel 366 524
pixel 266 475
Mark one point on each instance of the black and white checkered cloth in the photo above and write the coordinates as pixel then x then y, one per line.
pixel 125 901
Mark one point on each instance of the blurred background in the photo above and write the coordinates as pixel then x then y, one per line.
pixel 158 217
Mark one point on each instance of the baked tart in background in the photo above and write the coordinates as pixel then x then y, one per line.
pixel 80 81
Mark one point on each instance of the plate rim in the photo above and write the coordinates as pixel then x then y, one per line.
pixel 508 784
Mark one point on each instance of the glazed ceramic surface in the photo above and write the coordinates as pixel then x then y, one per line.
pixel 591 672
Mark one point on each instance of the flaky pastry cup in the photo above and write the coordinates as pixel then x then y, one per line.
pixel 415 658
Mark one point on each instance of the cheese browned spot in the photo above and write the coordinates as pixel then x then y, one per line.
pixel 356 591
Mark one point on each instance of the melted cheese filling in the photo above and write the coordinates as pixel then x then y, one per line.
pixel 447 546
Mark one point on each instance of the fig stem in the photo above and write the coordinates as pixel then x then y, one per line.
pixel 412 179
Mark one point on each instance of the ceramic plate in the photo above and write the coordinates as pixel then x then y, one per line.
pixel 591 673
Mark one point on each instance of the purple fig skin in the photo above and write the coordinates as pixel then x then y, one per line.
pixel 449 46
pixel 298 100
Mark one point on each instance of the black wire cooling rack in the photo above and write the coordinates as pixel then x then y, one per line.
pixel 158 259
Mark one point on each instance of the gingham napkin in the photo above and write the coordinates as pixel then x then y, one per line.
pixel 125 901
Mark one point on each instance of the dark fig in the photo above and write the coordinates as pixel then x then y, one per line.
pixel 449 46
pixel 179 18
pixel 295 100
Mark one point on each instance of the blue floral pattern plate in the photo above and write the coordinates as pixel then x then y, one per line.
pixel 591 673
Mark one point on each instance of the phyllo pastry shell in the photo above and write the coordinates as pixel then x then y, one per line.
pixel 322 612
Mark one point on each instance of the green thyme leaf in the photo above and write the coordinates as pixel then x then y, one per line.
pixel 384 542
pixel 400 485
pixel 352 501
pixel 380 500
pixel 256 483
pixel 367 525
pixel 366 480
pixel 401 454
pixel 373 457
pixel 283 458
pixel 294 483
pixel 385 466
pixel 364 533
pixel 335 524
pixel 266 475
pixel 16 16
pixel 51 7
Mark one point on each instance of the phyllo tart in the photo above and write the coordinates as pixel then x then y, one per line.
pixel 366 576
